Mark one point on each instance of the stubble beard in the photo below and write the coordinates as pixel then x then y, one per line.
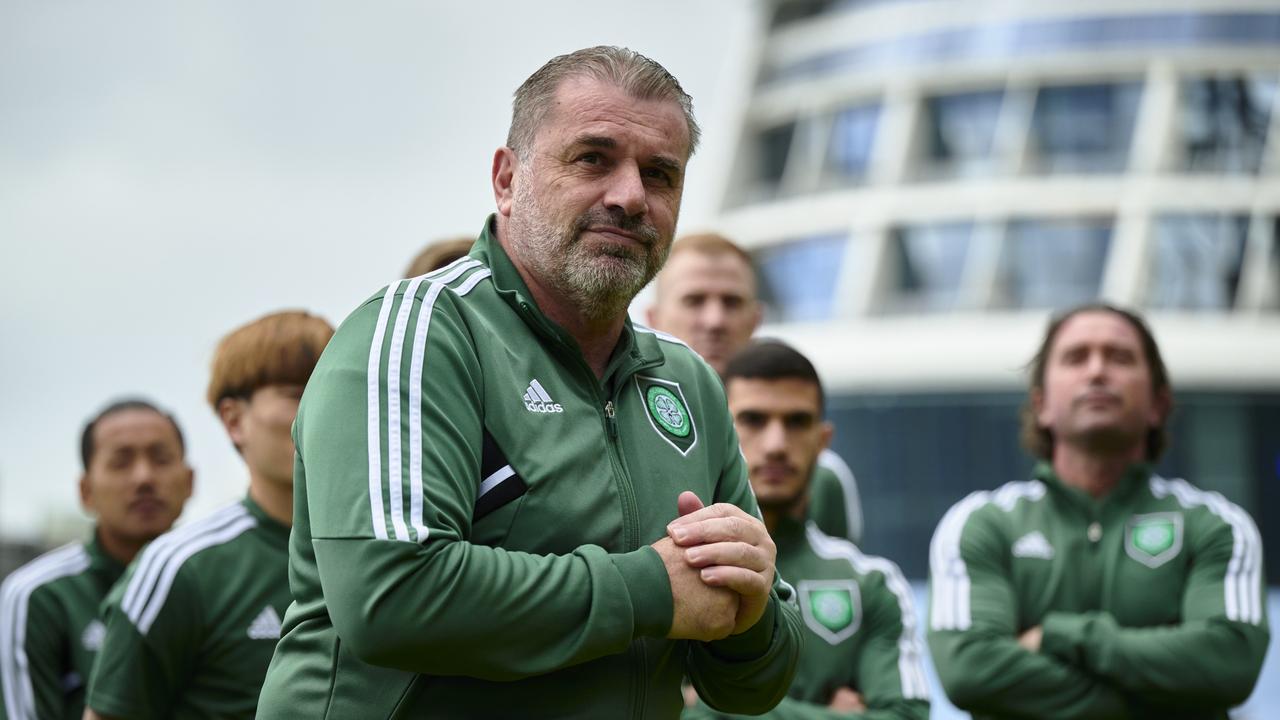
pixel 600 282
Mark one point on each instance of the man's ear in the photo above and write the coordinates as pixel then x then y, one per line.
pixel 504 177
pixel 86 492
pixel 231 412
pixel 1036 400
pixel 828 431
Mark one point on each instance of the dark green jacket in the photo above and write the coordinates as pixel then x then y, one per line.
pixel 50 631
pixel 473 514
pixel 1151 600
pixel 192 625
pixel 860 631
pixel 834 503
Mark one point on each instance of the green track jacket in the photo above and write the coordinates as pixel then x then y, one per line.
pixel 50 631
pixel 473 514
pixel 1151 600
pixel 860 631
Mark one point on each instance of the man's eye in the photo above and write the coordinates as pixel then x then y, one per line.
pixel 662 176
pixel 590 158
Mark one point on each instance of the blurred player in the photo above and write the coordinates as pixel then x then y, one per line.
pixel 192 625
pixel 1097 589
pixel 439 253
pixel 861 656
pixel 135 483
pixel 706 295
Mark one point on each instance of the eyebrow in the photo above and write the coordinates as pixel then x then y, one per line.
pixel 666 162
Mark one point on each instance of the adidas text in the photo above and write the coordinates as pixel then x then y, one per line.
pixel 544 407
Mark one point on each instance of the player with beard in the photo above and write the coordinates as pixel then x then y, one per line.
pixel 1097 589
pixel 861 657
pixel 510 501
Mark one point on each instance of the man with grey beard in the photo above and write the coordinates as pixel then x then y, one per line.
pixel 509 499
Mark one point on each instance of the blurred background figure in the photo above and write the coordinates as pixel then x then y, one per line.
pixel 135 482
pixel 861 653
pixel 706 295
pixel 920 183
pixel 439 253
pixel 191 626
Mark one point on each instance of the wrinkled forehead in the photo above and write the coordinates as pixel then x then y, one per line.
pixel 583 105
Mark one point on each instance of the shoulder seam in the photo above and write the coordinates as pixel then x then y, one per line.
pixel 147 591
pixel 1242 584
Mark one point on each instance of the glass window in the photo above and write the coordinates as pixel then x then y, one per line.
pixel 773 146
pixel 929 264
pixel 961 133
pixel 1195 261
pixel 799 277
pixel 1224 123
pixel 853 133
pixel 1052 263
pixel 1082 128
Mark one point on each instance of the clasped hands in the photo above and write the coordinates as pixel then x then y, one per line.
pixel 720 561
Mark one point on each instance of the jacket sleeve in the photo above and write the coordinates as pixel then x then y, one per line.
pixel 148 652
pixel 973 631
pixel 390 434
pixel 34 689
pixel 890 673
pixel 749 672
pixel 792 709
pixel 1212 658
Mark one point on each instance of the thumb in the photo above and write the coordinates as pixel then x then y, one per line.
pixel 687 502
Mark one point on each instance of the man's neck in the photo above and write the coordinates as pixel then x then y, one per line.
pixel 596 337
pixel 122 549
pixel 1096 474
pixel 275 498
pixel 795 511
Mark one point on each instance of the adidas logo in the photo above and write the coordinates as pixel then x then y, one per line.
pixel 266 626
pixel 537 400
pixel 94 633
pixel 1033 544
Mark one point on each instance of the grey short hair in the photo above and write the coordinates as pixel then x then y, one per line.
pixel 633 73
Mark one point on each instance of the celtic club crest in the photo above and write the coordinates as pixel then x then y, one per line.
pixel 831 608
pixel 668 412
pixel 1154 539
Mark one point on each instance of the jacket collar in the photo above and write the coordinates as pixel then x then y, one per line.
pixel 635 349
pixel 1134 477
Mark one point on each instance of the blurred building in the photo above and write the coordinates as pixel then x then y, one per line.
pixel 923 181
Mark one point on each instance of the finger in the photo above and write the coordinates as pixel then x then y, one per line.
pixel 747 583
pixel 688 502
pixel 720 529
pixel 737 554
pixel 710 511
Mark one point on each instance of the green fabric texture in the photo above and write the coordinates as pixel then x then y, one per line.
pixel 417 593
pixel 834 503
pixel 50 631
pixel 192 625
pixel 1151 600
pixel 860 631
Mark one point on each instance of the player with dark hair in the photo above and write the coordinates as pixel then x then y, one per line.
pixel 135 482
pixel 861 656
pixel 1097 589
pixel 191 626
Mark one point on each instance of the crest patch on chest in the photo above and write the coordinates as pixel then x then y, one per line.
pixel 831 608
pixel 1154 539
pixel 668 412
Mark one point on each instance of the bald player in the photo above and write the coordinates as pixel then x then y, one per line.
pixel 706 295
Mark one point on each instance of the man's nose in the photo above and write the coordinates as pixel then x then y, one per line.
pixel 712 314
pixel 626 190
pixel 144 472
pixel 774 438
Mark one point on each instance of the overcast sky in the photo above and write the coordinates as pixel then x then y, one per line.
pixel 169 171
